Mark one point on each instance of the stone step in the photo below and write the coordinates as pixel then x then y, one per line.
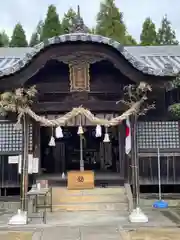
pixel 89 199
pixel 95 191
pixel 92 207
pixel 61 196
pixel 97 199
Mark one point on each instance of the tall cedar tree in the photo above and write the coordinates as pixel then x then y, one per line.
pixel 166 35
pixel 36 36
pixel 92 30
pixel 130 41
pixel 52 25
pixel 34 39
pixel 18 38
pixel 4 39
pixel 110 22
pixel 68 20
pixel 148 35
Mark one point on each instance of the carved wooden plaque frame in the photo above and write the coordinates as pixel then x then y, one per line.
pixel 79 77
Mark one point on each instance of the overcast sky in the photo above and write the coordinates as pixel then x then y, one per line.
pixel 29 12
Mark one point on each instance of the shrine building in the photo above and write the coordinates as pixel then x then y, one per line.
pixel 82 69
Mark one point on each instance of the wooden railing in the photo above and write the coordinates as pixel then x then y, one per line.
pixel 170 169
pixel 9 176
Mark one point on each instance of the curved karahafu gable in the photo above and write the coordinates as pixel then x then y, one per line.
pixel 86 37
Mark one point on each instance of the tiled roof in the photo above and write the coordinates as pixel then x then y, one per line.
pixel 157 56
pixel 152 60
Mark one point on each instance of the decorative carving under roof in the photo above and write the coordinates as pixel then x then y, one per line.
pixel 80 58
pixel 78 25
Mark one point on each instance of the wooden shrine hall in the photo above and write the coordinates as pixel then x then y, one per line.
pixel 82 69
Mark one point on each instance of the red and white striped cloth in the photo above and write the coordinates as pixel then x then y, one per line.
pixel 128 137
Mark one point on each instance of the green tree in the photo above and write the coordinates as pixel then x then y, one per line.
pixel 34 39
pixel 4 39
pixel 68 20
pixel 166 35
pixel 92 30
pixel 174 109
pixel 52 25
pixel 148 35
pixel 129 40
pixel 18 38
pixel 36 36
pixel 110 22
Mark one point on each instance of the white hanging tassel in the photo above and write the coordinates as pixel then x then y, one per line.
pixel 59 132
pixel 63 175
pixel 52 142
pixel 106 136
pixel 98 131
pixel 80 130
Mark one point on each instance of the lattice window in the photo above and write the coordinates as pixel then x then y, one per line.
pixel 158 134
pixel 11 138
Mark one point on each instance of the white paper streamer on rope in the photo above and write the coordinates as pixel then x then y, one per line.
pixel 98 131
pixel 59 132
pixel 80 130
pixel 106 136
pixel 52 142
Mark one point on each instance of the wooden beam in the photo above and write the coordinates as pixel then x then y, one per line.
pixel 162 150
pixel 102 106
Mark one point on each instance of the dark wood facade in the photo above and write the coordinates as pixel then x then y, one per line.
pixel 109 72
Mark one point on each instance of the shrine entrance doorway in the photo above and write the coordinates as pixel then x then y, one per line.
pixel 65 155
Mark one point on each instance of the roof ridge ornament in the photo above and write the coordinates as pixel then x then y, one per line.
pixel 78 25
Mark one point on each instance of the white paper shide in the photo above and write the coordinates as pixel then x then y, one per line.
pixel 33 164
pixel 13 159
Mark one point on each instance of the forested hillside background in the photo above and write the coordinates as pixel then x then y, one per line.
pixel 109 23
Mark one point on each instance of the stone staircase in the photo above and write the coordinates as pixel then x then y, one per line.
pixel 98 199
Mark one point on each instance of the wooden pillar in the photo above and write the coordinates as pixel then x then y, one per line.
pixel 122 157
pixel 24 162
pixel 36 143
pixel 134 159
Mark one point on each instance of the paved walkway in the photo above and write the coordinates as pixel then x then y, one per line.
pixel 93 233
pixel 109 225
pixel 66 233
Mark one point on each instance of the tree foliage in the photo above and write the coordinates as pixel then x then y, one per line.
pixel 129 40
pixel 174 109
pixel 148 35
pixel 67 21
pixel 52 25
pixel 110 22
pixel 34 39
pixel 136 95
pixel 18 38
pixel 4 39
pixel 36 36
pixel 92 30
pixel 17 100
pixel 166 35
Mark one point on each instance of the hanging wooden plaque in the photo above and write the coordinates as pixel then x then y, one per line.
pixel 79 77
